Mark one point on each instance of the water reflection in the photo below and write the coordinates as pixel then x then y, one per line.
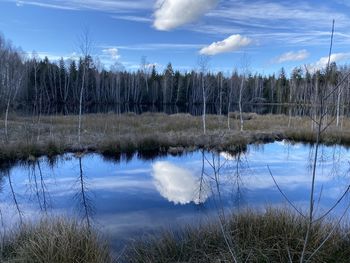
pixel 130 197
pixel 36 184
pixel 83 194
pixel 178 185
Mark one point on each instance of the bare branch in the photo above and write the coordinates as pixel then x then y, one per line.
pixel 283 194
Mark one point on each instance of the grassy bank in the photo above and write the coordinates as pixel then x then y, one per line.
pixel 149 134
pixel 270 236
pixel 54 241
pixel 274 236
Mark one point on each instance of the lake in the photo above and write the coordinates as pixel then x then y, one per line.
pixel 132 197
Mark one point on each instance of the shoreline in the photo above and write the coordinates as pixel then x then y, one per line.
pixel 151 134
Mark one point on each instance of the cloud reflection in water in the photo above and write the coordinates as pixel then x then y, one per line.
pixel 177 184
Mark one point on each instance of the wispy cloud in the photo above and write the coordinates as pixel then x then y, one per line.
pixel 265 21
pixel 112 53
pixel 232 43
pixel 292 56
pixel 158 46
pixel 343 2
pixel 269 21
pixel 102 5
pixel 266 13
pixel 133 18
pixel 52 56
pixel 47 5
pixel 170 14
pixel 130 65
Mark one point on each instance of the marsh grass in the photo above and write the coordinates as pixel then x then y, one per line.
pixel 273 236
pixel 152 133
pixel 54 241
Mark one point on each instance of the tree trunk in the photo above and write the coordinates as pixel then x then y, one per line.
pixel 81 102
pixel 229 105
pixel 240 103
pixel 204 106
pixel 6 118
pixel 338 105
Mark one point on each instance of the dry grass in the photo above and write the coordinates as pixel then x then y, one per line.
pixel 151 133
pixel 273 236
pixel 54 241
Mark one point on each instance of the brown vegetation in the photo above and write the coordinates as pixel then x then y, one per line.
pixel 152 133
pixel 272 236
pixel 54 241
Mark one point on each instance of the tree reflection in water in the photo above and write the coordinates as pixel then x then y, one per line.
pixel 83 197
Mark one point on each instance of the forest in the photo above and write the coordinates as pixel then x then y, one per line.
pixel 29 82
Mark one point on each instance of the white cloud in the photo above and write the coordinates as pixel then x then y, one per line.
pixel 293 56
pixel 113 53
pixel 177 184
pixel 229 44
pixel 170 14
pixel 323 62
pixel 227 156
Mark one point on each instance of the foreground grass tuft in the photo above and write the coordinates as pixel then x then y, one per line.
pixel 54 241
pixel 273 236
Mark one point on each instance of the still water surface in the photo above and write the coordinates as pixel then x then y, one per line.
pixel 129 198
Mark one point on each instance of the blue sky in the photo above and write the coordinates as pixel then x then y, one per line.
pixel 263 35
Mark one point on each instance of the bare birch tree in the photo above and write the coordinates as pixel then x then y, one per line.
pixel 13 81
pixel 85 47
pixel 203 63
pixel 244 74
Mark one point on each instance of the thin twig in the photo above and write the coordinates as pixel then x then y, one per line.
pixel 284 195
pixel 330 233
pixel 334 206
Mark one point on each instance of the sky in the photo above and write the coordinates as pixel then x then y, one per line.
pixel 261 36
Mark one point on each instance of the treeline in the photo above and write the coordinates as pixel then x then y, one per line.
pixel 37 83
